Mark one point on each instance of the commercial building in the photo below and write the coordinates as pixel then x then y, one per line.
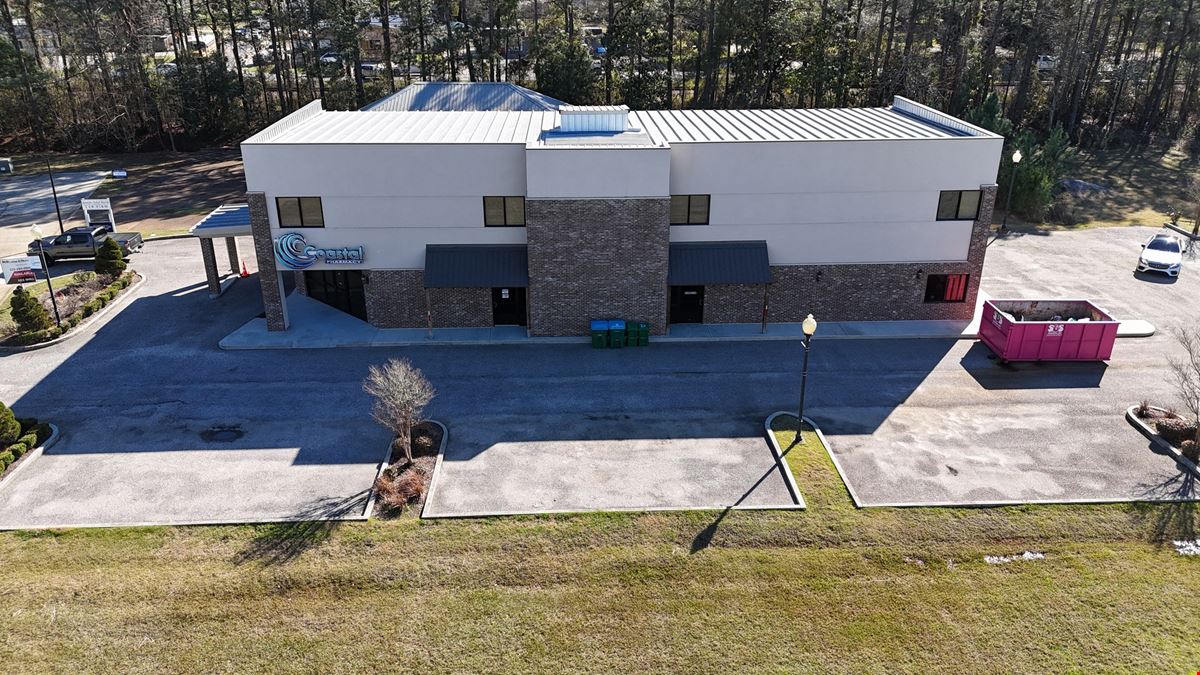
pixel 551 218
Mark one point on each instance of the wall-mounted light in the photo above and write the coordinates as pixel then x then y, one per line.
pixel 820 273
pixel 920 272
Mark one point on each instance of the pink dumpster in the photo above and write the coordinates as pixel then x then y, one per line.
pixel 1047 330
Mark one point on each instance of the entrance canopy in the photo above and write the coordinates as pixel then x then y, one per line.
pixel 230 220
pixel 476 266
pixel 704 263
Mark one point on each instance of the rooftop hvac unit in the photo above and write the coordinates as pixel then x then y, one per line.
pixel 586 119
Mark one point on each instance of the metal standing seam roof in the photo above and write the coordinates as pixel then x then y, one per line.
pixel 464 96
pixel 700 263
pixel 224 221
pixel 905 120
pixel 476 265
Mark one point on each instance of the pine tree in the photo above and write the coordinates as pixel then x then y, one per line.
pixel 28 312
pixel 109 259
pixel 10 428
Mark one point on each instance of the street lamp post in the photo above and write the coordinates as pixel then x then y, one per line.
pixel 37 235
pixel 1012 178
pixel 809 326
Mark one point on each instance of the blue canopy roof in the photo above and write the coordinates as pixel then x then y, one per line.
pixel 230 220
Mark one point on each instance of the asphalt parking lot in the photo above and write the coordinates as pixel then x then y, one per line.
pixel 973 431
pixel 516 465
pixel 910 420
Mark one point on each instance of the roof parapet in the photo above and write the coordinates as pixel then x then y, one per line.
pixel 312 109
pixel 581 119
pixel 936 117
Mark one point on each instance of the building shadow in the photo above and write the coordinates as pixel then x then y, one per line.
pixel 281 543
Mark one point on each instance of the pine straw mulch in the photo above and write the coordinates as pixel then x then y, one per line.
pixel 404 486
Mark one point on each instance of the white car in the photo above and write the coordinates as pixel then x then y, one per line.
pixel 1161 253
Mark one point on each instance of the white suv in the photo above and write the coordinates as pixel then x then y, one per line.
pixel 1161 253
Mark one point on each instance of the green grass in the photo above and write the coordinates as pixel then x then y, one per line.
pixel 832 588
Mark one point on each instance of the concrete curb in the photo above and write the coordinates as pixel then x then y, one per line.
pixel 30 456
pixel 120 301
pixel 370 510
pixel 1159 442
pixel 1180 230
pixel 779 459
pixel 437 467
pixel 824 442
pixel 167 237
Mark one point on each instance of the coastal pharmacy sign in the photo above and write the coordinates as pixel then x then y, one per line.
pixel 295 253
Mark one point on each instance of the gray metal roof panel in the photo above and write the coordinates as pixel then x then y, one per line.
pixel 476 265
pixel 449 96
pixel 702 263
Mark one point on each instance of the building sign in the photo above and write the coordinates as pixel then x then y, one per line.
pixel 98 212
pixel 19 268
pixel 295 253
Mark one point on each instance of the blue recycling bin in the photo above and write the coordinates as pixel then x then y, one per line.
pixel 599 334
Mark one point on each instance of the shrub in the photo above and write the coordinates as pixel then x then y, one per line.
pixel 10 428
pixel 109 260
pixel 1143 410
pixel 398 491
pixel 29 439
pixel 1176 431
pixel 27 312
pixel 6 460
pixel 82 277
pixel 17 449
pixel 1190 449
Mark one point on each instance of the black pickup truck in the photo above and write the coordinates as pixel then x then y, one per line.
pixel 83 242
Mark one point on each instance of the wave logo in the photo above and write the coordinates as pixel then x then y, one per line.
pixel 292 251
pixel 295 253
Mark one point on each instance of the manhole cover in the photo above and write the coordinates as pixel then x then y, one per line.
pixel 221 434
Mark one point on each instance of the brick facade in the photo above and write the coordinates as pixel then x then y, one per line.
pixel 301 282
pixel 264 253
pixel 232 250
pixel 208 254
pixel 596 259
pixel 397 299
pixel 865 292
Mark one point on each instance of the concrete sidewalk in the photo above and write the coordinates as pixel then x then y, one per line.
pixel 315 325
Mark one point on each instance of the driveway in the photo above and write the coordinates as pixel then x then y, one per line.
pixel 972 431
pixel 158 428
pixel 511 465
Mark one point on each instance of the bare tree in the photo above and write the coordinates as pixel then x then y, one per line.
pixel 1192 191
pixel 1185 371
pixel 401 393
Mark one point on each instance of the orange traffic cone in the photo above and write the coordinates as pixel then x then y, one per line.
pixel 244 272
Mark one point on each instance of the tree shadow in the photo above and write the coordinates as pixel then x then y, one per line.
pixel 1173 520
pixel 281 543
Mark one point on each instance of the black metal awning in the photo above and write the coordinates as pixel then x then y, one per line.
pixel 702 263
pixel 476 266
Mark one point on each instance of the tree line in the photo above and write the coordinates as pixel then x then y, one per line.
pixel 147 74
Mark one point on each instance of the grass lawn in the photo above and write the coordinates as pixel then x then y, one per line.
pixel 1144 185
pixel 832 588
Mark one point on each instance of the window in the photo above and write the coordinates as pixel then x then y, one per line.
pixel 689 209
pixel 958 205
pixel 300 212
pixel 946 287
pixel 504 211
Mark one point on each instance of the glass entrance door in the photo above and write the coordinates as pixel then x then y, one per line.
pixel 340 289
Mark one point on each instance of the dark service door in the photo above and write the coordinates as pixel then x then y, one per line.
pixel 687 304
pixel 508 306
pixel 340 289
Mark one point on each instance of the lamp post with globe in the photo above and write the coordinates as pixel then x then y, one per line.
pixel 36 231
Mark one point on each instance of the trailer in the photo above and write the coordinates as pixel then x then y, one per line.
pixel 1047 330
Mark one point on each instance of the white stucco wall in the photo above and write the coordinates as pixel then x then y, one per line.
pixel 835 202
pixel 392 199
pixel 597 173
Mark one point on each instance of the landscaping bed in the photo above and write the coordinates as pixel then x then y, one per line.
pixel 403 485
pixel 86 294
pixel 1169 427
pixel 32 435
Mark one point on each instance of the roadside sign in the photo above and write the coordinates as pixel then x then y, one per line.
pixel 20 266
pixel 119 173
pixel 97 212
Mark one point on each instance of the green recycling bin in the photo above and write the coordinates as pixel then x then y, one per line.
pixel 631 334
pixel 616 334
pixel 599 334
pixel 643 333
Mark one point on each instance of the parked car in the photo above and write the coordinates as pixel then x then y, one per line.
pixel 331 57
pixel 167 69
pixel 373 71
pixel 1161 253
pixel 83 242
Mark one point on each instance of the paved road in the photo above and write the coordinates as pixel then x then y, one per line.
pixel 25 200
pixel 897 412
